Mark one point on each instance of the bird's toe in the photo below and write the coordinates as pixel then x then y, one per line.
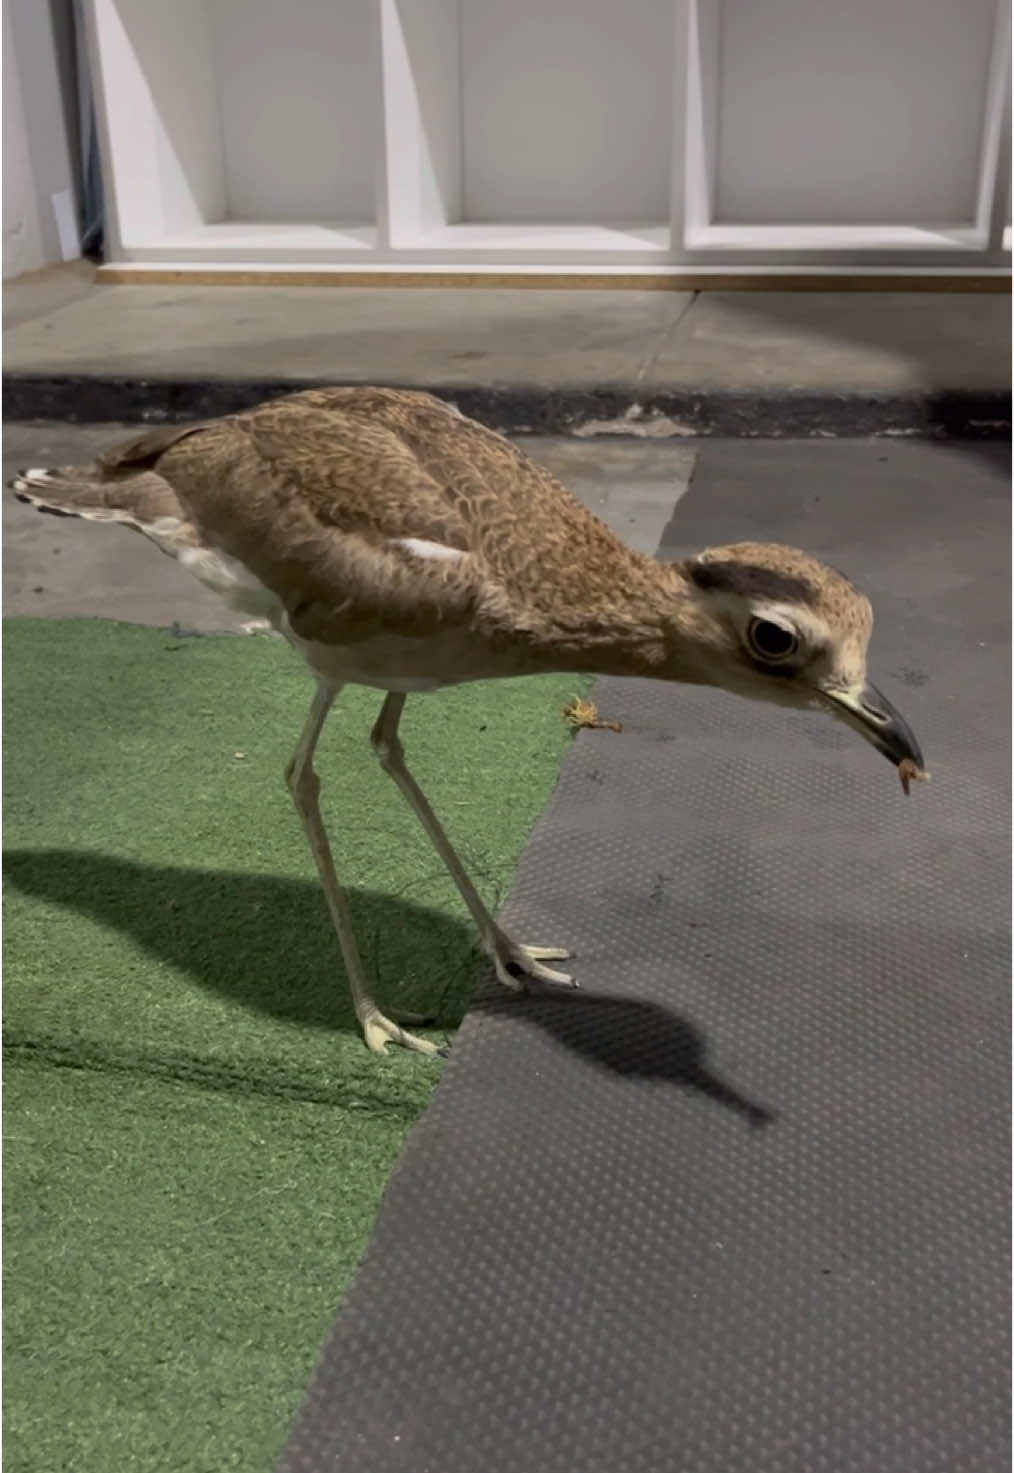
pixel 550 974
pixel 379 1031
pixel 545 953
pixel 517 964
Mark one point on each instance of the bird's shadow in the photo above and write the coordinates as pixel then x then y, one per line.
pixel 264 941
pixel 631 1037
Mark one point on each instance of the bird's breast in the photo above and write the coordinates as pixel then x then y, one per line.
pixel 396 662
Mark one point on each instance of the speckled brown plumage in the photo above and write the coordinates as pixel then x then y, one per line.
pixel 397 544
pixel 309 492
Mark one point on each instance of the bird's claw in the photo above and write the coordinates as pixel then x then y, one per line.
pixel 380 1031
pixel 515 963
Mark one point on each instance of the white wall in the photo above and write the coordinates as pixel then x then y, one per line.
pixel 680 135
pixel 884 143
pixel 300 145
pixel 39 204
pixel 565 120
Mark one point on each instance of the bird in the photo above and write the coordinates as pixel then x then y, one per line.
pixel 398 544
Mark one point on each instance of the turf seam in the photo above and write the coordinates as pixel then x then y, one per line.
pixel 191 1069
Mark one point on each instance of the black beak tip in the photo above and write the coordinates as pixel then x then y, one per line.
pixel 898 743
pixel 888 729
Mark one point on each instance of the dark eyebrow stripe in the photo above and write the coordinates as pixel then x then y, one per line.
pixel 750 581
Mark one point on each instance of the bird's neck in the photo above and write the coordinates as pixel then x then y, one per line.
pixel 633 628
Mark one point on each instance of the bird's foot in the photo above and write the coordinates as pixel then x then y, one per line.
pixel 516 963
pixel 379 1031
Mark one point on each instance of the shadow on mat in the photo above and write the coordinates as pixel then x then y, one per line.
pixel 264 941
pixel 632 1037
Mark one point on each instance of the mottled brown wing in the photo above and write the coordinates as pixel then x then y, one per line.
pixel 454 481
pixel 292 493
pixel 352 464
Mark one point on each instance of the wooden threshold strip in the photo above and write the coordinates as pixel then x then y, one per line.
pixel 534 281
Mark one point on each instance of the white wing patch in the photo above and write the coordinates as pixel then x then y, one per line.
pixel 434 551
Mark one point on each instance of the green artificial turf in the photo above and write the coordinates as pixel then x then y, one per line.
pixel 196 1139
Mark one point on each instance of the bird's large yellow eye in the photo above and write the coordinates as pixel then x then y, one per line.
pixel 770 641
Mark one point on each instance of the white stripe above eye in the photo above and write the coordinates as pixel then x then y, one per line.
pixel 435 551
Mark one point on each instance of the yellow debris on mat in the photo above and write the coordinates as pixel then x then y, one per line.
pixel 578 714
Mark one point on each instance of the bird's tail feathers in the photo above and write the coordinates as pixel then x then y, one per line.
pixel 70 491
pixel 143 501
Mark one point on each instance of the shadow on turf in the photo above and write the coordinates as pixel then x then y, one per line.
pixel 265 941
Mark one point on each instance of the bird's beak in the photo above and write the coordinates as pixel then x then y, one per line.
pixel 873 716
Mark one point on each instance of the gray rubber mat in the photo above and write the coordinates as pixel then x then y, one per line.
pixel 741 1205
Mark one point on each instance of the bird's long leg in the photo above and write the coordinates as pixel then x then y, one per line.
pixel 511 959
pixel 304 785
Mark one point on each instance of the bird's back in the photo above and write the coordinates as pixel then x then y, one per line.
pixel 387 464
pixel 363 512
pixel 376 491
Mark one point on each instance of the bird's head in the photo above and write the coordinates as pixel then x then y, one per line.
pixel 774 624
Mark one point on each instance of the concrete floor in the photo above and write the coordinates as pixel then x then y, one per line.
pixel 59 567
pixel 59 321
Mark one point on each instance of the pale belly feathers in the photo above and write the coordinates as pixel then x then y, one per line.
pixel 386 662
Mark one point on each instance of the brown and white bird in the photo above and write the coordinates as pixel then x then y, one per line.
pixel 397 544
